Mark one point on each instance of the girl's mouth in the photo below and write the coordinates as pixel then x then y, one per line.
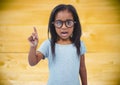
pixel 64 34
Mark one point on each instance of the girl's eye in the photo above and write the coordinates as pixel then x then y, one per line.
pixel 58 23
pixel 69 23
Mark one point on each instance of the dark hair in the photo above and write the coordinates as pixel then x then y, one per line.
pixel 77 27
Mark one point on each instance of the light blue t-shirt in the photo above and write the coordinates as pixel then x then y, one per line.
pixel 64 68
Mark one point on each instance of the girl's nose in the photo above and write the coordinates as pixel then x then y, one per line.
pixel 63 26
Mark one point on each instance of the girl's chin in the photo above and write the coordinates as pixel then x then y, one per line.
pixel 65 38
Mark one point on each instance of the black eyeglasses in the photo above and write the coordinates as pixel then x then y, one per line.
pixel 59 23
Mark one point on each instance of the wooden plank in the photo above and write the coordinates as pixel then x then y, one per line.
pixel 102 69
pixel 15 70
pixel 14 38
pixel 96 37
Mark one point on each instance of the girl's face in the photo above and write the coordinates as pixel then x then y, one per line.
pixel 64 24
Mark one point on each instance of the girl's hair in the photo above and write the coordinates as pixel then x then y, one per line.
pixel 77 27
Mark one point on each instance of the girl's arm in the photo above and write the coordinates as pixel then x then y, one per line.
pixel 33 56
pixel 83 71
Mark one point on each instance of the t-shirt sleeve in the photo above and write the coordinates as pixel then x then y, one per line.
pixel 82 48
pixel 44 48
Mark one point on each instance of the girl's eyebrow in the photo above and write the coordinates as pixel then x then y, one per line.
pixel 64 20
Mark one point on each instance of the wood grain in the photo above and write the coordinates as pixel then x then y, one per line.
pixel 101 34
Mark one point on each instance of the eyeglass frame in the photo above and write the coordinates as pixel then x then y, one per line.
pixel 64 22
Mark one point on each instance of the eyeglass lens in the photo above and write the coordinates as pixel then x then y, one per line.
pixel 68 23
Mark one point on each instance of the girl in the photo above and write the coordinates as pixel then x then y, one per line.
pixel 64 50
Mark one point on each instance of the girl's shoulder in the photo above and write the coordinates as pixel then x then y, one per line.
pixel 47 41
pixel 81 42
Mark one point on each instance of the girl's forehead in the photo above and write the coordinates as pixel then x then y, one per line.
pixel 63 15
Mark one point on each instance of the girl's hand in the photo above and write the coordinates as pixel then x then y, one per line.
pixel 33 39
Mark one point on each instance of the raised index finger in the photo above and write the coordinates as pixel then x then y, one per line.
pixel 35 30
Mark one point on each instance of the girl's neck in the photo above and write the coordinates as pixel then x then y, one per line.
pixel 62 41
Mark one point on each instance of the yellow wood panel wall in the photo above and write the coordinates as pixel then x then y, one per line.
pixel 100 22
